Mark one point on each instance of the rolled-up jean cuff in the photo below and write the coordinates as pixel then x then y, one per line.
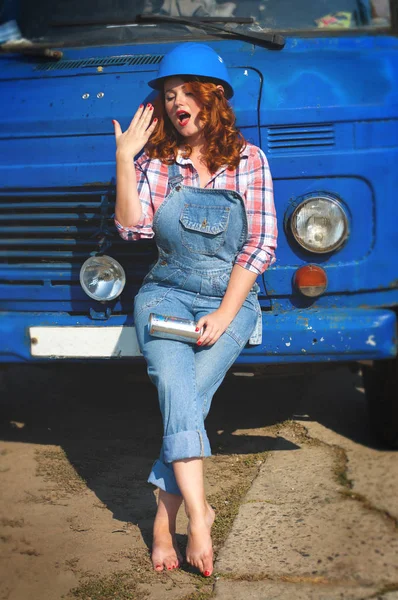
pixel 186 444
pixel 163 477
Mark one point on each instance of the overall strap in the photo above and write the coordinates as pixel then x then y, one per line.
pixel 174 175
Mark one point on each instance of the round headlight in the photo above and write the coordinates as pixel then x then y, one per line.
pixel 319 224
pixel 102 278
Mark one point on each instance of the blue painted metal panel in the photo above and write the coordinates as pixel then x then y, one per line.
pixel 325 110
pixel 92 101
pixel 298 336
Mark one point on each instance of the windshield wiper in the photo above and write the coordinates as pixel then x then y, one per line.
pixel 93 22
pixel 261 38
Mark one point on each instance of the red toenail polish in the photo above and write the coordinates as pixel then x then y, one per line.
pixel 206 573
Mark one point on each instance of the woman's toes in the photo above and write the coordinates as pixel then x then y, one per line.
pixel 170 562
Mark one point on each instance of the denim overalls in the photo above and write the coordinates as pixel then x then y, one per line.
pixel 199 232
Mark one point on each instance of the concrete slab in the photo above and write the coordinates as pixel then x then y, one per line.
pixel 373 471
pixel 286 475
pixel 295 523
pixel 264 590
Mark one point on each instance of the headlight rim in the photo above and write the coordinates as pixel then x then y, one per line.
pixel 84 286
pixel 328 198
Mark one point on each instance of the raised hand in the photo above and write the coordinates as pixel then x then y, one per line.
pixel 130 142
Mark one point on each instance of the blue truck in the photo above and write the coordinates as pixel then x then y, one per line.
pixel 316 86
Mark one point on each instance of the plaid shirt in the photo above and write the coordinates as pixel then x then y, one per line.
pixel 252 180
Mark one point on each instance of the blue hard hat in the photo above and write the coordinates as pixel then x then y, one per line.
pixel 194 59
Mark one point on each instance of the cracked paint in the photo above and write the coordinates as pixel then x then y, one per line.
pixel 371 341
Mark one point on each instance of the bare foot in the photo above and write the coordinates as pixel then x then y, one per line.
pixel 165 552
pixel 200 548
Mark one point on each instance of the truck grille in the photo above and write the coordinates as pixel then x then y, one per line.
pixel 62 229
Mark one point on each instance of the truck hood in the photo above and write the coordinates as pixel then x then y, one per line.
pixel 76 100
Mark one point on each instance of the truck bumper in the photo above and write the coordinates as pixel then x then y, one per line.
pixel 296 336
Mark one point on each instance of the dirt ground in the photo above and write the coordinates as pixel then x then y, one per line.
pixel 76 445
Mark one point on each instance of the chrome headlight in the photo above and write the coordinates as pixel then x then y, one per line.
pixel 102 278
pixel 319 224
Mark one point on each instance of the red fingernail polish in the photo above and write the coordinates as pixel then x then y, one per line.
pixel 197 329
pixel 155 120
pixel 151 108
pixel 206 573
pixel 141 106
pixel 199 343
pixel 113 121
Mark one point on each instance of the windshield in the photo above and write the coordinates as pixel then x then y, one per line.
pixel 87 22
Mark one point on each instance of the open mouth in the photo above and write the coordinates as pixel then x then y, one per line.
pixel 183 118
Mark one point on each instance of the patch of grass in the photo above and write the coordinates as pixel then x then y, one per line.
pixel 340 468
pixel 100 504
pixel 300 433
pixel 117 586
pixel 389 587
pixel 310 579
pixel 204 587
pixel 254 460
pixel 227 503
pixel 388 517
pixel 35 499
pixel 53 465
pixel 71 563
pixel 200 594
pixel 30 552
pixel 12 522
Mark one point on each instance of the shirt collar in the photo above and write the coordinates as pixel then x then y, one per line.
pixel 181 160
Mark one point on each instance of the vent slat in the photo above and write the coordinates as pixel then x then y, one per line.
pixel 32 242
pixel 102 61
pixel 51 254
pixel 58 205
pixel 45 242
pixel 301 129
pixel 43 230
pixel 42 255
pixel 301 143
pixel 51 217
pixel 303 138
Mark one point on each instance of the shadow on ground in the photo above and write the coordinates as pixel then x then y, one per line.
pixel 106 419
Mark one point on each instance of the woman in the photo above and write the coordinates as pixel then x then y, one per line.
pixel 206 196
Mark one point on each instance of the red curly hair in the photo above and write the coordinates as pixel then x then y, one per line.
pixel 224 142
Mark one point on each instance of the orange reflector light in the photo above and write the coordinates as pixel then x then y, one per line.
pixel 310 280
